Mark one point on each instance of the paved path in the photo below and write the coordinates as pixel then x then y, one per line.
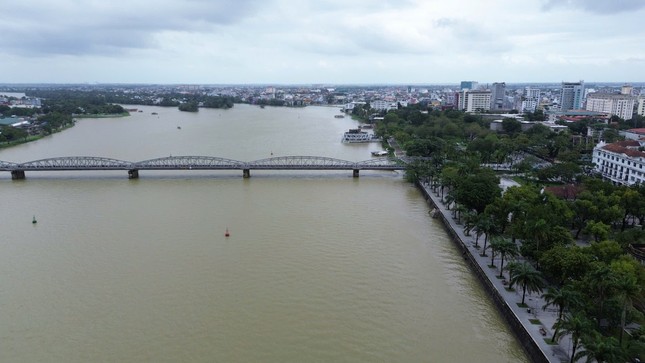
pixel 554 353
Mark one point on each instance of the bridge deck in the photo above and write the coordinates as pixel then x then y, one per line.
pixel 204 163
pixel 84 163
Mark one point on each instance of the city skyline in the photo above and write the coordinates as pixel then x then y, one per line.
pixel 328 42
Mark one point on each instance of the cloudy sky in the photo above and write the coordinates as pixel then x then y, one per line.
pixel 324 41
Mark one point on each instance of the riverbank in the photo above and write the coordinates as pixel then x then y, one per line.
pixel 531 324
pixel 103 115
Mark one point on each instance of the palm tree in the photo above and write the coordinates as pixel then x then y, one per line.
pixel 487 227
pixel 599 283
pixel 601 349
pixel 505 248
pixel 564 298
pixel 494 242
pixel 575 325
pixel 628 290
pixel 449 199
pixel 525 275
pixel 459 210
pixel 470 221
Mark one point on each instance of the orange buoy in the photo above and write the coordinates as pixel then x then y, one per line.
pixel 226 234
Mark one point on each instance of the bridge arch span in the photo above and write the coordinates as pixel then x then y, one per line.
pixel 75 163
pixel 300 162
pixel 7 165
pixel 189 162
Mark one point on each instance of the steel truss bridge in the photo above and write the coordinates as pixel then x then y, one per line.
pixel 89 163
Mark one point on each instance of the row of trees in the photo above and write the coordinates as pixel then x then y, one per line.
pixel 598 288
pixel 72 101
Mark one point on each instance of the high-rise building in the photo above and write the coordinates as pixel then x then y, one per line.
pixel 498 95
pixel 530 99
pixel 626 89
pixel 641 105
pixel 474 101
pixel 614 104
pixel 532 93
pixel 571 96
pixel 470 85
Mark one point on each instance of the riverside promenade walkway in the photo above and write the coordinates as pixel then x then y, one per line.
pixel 532 324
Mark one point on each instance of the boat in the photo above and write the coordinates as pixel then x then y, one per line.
pixel 358 135
pixel 154 113
pixel 339 116
pixel 226 234
pixel 379 153
pixel 367 126
pixel 34 221
pixel 178 127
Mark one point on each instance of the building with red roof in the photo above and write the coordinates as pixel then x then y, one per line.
pixel 622 162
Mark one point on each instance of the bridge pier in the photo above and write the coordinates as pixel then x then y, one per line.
pixel 246 173
pixel 133 174
pixel 17 174
pixel 355 173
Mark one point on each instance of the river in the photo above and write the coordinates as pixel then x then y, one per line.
pixel 319 266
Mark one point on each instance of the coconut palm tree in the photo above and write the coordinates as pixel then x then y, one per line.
pixel 601 349
pixel 522 273
pixel 564 298
pixel 628 289
pixel 494 242
pixel 459 211
pixel 470 220
pixel 575 325
pixel 487 227
pixel 505 248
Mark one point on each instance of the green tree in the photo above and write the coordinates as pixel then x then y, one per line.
pixel 576 325
pixel 628 289
pixel 601 349
pixel 562 264
pixel 505 248
pixel 486 225
pixel 189 107
pixel 511 126
pixel 523 274
pixel 564 298
pixel 477 190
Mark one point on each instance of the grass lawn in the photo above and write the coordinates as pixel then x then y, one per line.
pixel 549 342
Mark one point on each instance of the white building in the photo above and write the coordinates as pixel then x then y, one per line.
pixel 621 162
pixel 641 106
pixel 627 89
pixel 532 93
pixel 474 101
pixel 529 105
pixel 614 104
pixel 383 105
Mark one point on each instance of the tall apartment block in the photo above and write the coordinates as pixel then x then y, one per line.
pixel 572 95
pixel 641 105
pixel 498 94
pixel 470 85
pixel 474 101
pixel 614 104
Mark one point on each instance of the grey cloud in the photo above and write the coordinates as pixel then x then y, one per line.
pixel 602 7
pixel 469 36
pixel 64 28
